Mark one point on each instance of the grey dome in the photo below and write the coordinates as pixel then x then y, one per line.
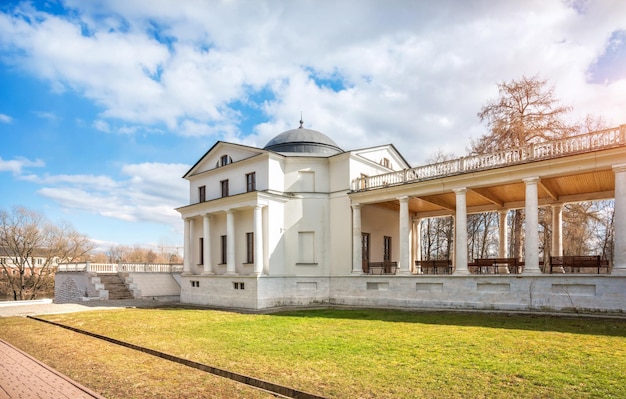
pixel 303 140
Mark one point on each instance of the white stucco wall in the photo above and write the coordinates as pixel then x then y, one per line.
pixel 340 235
pixel 306 213
pixel 155 284
pixel 371 217
pixel 274 238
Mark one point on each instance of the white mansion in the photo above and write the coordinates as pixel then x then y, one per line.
pixel 303 222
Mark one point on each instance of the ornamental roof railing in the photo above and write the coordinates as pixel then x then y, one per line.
pixel 584 143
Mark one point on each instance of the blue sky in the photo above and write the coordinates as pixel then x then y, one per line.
pixel 104 105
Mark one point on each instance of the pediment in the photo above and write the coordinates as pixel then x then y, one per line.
pixel 384 155
pixel 223 154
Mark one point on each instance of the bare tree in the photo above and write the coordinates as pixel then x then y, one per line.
pixel 438 232
pixel 593 123
pixel 137 254
pixel 437 238
pixel 606 229
pixel 482 235
pixel 33 247
pixel 525 112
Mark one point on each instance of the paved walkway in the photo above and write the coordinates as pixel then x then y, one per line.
pixel 33 308
pixel 24 377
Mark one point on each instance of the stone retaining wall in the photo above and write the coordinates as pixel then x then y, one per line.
pixel 72 287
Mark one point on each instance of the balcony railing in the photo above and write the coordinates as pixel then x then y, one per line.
pixel 120 267
pixel 600 140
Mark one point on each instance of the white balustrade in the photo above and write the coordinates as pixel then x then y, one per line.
pixel 120 267
pixel 589 142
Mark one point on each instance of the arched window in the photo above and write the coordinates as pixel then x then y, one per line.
pixel 224 160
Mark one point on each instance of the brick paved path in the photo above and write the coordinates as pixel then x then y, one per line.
pixel 24 377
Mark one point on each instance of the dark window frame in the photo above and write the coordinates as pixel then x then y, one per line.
pixel 249 247
pixel 224 250
pixel 224 187
pixel 201 252
pixel 202 194
pixel 250 182
pixel 225 160
pixel 365 246
pixel 387 249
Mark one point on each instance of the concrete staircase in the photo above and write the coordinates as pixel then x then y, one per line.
pixel 116 286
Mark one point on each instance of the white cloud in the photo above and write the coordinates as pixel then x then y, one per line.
pixel 414 73
pixel 364 72
pixel 46 115
pixel 86 181
pixel 101 125
pixel 148 193
pixel 17 165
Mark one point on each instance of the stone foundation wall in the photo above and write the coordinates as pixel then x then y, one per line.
pixel 220 291
pixel 549 293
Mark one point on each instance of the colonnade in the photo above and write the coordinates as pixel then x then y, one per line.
pixel 411 246
pixel 232 240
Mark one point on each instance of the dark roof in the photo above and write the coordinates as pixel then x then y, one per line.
pixel 303 140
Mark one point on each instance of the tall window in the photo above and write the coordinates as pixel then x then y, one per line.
pixel 224 185
pixel 387 249
pixel 365 246
pixel 201 253
pixel 249 247
pixel 365 251
pixel 385 162
pixel 202 194
pixel 224 250
pixel 251 182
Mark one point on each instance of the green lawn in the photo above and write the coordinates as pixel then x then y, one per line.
pixel 343 353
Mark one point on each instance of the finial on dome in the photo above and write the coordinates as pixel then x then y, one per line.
pixel 301 121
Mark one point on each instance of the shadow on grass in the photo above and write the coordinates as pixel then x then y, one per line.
pixel 566 323
pixel 531 322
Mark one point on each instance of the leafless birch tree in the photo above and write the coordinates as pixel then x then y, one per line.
pixel 31 247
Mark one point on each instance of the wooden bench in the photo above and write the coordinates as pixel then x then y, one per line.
pixel 382 268
pixel 438 266
pixel 578 264
pixel 496 266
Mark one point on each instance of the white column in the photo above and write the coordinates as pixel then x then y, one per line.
pixel 619 256
pixel 188 246
pixel 417 243
pixel 460 232
pixel 357 260
pixel 405 237
pixel 206 251
pixel 258 240
pixel 531 227
pixel 502 231
pixel 557 229
pixel 230 242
